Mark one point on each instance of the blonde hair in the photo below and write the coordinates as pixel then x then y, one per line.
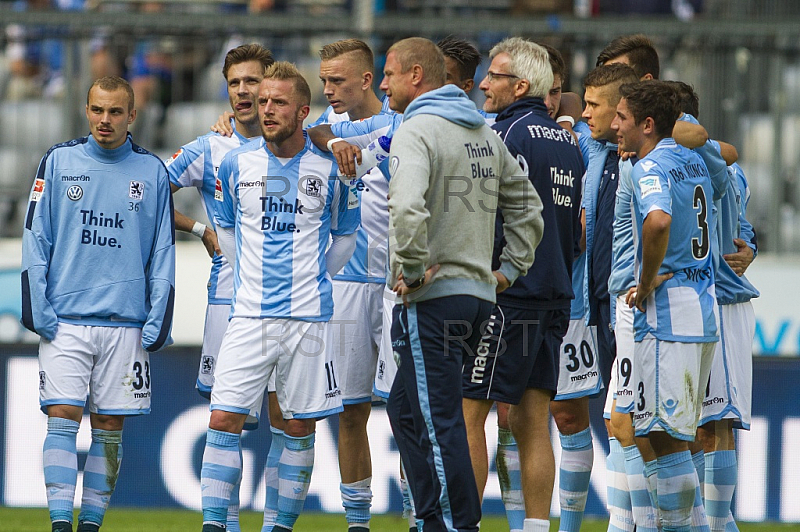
pixel 284 70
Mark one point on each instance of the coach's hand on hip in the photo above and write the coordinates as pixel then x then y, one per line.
pixel 402 289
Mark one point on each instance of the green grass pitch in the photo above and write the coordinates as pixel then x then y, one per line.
pixel 139 520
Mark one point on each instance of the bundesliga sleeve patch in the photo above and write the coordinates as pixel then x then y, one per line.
pixel 218 190
pixel 650 184
pixel 38 189
pixel 174 156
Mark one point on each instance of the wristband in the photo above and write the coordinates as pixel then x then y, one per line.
pixel 198 230
pixel 566 118
pixel 332 142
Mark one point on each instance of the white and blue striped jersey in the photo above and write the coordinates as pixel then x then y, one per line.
pixel 283 214
pixel 369 260
pixel 196 165
pixel 98 246
pixel 675 180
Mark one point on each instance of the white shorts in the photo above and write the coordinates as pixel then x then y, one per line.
pixel 387 366
pixel 730 387
pixel 108 362
pixel 306 381
pixel 625 387
pixel 669 394
pixel 611 395
pixel 356 329
pixel 213 331
pixel 579 374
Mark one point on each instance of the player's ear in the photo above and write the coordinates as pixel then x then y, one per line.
pixel 131 116
pixel 302 112
pixel 649 125
pixel 366 80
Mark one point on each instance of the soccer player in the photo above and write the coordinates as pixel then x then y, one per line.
pixel 601 96
pixel 675 319
pixel 347 72
pixel 727 400
pixel 579 376
pixel 195 165
pixel 517 360
pixel 98 272
pixel 441 269
pixel 276 229
pixel 626 461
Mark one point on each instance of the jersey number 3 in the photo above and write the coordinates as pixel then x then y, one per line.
pixel 701 245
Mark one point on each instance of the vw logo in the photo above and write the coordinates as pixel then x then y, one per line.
pixel 75 192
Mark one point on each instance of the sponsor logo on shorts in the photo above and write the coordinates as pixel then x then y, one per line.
pixel 381 369
pixel 588 375
pixel 207 365
pixel 333 393
pixel 643 415
pixel 482 352
pixel 42 380
pixel 141 395
pixel 669 406
pixel 75 192
pixel 714 401
pixel 624 392
pixel 398 343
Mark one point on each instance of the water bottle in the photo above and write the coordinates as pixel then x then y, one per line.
pixel 373 154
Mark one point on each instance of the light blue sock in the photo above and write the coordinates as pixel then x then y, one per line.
pixel 232 519
pixel 60 455
pixel 575 471
pixel 644 514
pixel 357 500
pixel 619 499
pixel 650 473
pixel 271 478
pixel 730 526
pixel 699 518
pixel 720 482
pixel 677 489
pixel 510 475
pixel 222 468
pixel 100 475
pixel 294 477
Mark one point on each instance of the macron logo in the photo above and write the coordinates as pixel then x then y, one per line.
pixel 648 165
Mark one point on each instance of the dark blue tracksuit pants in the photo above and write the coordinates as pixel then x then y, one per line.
pixel 431 338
